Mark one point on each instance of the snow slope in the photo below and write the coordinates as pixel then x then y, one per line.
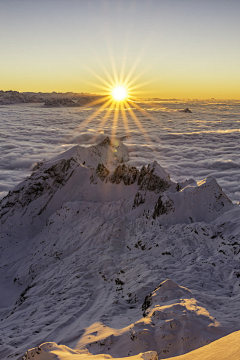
pixel 48 351
pixel 102 255
pixel 225 348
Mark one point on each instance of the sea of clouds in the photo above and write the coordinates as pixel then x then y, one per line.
pixel 195 145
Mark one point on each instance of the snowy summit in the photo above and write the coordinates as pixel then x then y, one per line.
pixel 102 257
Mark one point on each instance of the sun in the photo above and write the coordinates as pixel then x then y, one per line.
pixel 118 98
pixel 119 93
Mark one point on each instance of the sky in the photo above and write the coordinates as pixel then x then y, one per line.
pixel 169 48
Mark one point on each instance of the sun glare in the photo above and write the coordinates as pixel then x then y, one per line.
pixel 119 93
pixel 118 100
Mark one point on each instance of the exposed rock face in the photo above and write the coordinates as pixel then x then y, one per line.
pixel 102 172
pixel 127 174
pixel 150 178
pixel 162 208
pixel 138 200
pixel 154 178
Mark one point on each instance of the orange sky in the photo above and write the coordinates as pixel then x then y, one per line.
pixel 179 49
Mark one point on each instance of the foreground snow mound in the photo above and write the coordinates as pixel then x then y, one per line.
pixel 173 322
pixel 52 351
pixel 226 348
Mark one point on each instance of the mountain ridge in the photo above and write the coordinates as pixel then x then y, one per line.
pixel 84 244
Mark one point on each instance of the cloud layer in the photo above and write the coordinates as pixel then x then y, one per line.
pixel 195 145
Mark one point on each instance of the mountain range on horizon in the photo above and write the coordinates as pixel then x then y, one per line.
pixel 52 99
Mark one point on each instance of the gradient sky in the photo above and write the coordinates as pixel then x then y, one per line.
pixel 178 48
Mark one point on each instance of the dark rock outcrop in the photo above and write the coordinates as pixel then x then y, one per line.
pixel 186 110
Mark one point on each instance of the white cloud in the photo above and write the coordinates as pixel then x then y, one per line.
pixel 187 145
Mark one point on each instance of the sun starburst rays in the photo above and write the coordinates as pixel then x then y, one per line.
pixel 118 101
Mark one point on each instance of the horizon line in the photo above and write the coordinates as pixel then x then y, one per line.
pixel 100 94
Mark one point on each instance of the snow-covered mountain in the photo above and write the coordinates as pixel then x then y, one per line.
pixel 100 255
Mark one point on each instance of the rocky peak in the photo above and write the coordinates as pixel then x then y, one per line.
pixel 154 178
pixel 145 178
